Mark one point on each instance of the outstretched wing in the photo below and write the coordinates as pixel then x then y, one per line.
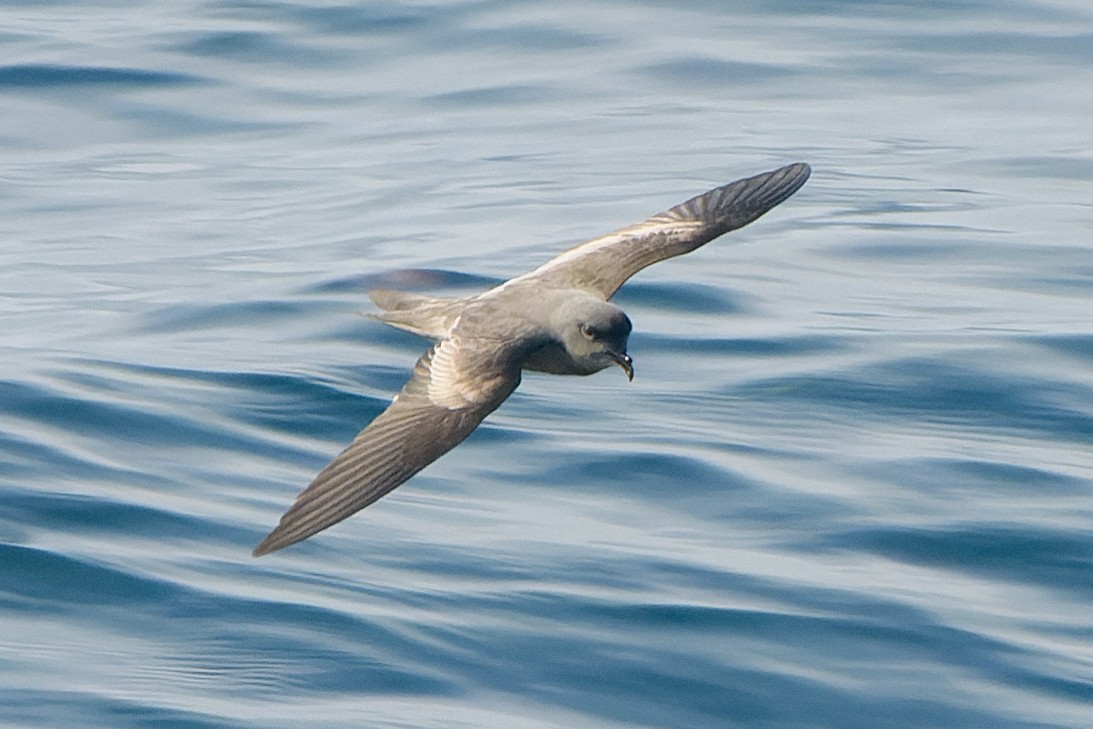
pixel 454 386
pixel 602 265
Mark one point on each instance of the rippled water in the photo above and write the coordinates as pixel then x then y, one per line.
pixel 849 487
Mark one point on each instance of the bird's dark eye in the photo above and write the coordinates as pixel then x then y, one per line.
pixel 588 331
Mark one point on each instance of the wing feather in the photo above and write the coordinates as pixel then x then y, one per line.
pixel 604 264
pixel 454 387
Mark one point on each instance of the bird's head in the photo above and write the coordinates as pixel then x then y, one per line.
pixel 594 334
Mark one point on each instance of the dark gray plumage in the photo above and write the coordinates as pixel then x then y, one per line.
pixel 555 319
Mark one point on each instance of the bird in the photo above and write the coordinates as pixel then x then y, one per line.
pixel 556 319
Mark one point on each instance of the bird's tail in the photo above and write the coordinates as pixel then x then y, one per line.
pixel 423 315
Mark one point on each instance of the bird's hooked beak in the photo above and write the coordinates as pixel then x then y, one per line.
pixel 623 360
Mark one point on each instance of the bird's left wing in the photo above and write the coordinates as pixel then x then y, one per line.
pixel 604 264
pixel 455 385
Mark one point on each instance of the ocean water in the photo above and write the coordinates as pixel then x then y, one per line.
pixel 850 485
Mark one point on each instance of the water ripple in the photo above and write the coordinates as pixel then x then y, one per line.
pixel 849 488
pixel 53 76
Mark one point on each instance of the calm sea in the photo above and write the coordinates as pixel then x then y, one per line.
pixel 851 485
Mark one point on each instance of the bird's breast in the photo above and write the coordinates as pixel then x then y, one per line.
pixel 554 359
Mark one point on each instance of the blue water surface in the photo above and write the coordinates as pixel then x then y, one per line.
pixel 849 487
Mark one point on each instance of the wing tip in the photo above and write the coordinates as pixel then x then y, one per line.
pixel 271 543
pixel 801 168
pixel 738 203
pixel 741 202
pixel 295 526
pixel 289 531
pixel 786 181
pixel 782 182
pixel 796 174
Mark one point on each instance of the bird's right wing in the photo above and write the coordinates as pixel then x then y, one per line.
pixel 604 264
pixel 455 385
